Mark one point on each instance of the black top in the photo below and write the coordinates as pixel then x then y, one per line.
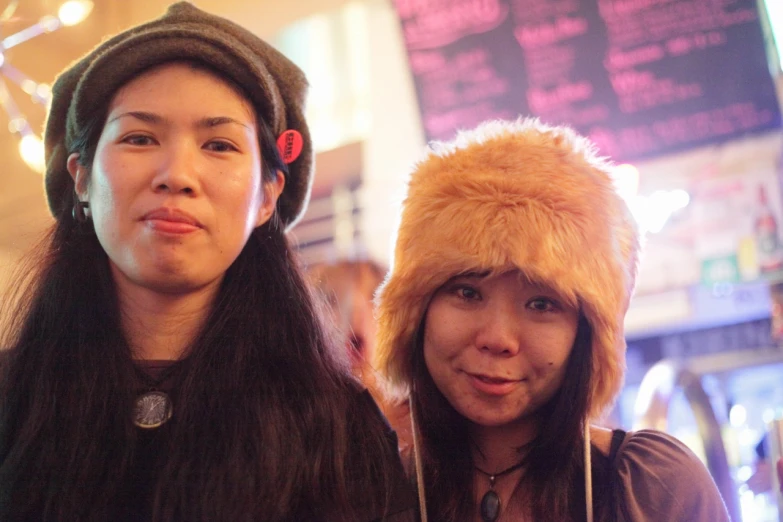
pixel 135 502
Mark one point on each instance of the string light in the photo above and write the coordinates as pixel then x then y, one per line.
pixel 32 150
pixel 30 145
pixel 74 12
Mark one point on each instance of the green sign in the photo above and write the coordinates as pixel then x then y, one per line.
pixel 720 270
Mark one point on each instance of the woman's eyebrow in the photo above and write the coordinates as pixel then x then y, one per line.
pixel 220 120
pixel 472 274
pixel 157 119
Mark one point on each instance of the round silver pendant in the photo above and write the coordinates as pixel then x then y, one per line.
pixel 152 410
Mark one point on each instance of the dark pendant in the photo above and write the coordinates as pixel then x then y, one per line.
pixel 490 506
pixel 152 410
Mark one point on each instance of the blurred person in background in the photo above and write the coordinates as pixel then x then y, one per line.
pixel 761 480
pixel 502 320
pixel 780 474
pixel 348 287
pixel 166 359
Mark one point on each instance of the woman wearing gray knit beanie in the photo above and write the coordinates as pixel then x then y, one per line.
pixel 167 362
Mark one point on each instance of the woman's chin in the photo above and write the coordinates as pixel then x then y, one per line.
pixel 490 419
pixel 487 421
pixel 168 281
pixel 174 285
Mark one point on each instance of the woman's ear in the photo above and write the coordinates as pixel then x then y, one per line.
pixel 272 191
pixel 78 173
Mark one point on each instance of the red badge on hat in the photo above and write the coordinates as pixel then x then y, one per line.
pixel 290 145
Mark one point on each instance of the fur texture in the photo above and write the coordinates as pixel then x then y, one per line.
pixel 514 195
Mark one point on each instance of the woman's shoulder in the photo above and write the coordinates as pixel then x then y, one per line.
pixel 653 448
pixel 401 503
pixel 659 476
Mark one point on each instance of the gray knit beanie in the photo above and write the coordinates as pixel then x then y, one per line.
pixel 277 89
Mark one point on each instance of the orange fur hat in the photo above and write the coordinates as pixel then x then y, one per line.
pixel 514 195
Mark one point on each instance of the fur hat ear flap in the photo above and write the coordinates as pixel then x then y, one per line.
pixel 514 194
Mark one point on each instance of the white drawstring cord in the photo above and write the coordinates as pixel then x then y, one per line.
pixel 418 465
pixel 588 475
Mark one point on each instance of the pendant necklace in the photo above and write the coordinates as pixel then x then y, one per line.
pixel 153 408
pixel 490 502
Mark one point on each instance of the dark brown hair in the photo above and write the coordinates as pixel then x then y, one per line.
pixel 269 423
pixel 552 486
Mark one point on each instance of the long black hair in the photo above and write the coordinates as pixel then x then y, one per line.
pixel 552 486
pixel 269 423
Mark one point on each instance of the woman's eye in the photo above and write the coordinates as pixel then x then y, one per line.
pixel 467 293
pixel 542 304
pixel 138 140
pixel 220 146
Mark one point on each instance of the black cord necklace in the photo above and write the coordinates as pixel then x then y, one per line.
pixel 490 502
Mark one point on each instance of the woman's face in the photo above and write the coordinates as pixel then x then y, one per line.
pixel 496 346
pixel 176 188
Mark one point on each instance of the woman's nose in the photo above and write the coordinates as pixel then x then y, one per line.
pixel 499 331
pixel 179 172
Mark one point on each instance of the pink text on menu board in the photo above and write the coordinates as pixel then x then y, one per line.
pixel 545 100
pixel 619 58
pixel 464 78
pixel 538 35
pixel 447 83
pixel 640 139
pixel 443 125
pixel 525 10
pixel 637 22
pixel 617 70
pixel 640 90
pixel 617 8
pixel 549 65
pixel 434 23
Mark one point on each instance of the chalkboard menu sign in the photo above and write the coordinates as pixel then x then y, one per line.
pixel 639 77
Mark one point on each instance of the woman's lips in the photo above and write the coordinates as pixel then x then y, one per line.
pixel 171 221
pixel 490 385
pixel 171 227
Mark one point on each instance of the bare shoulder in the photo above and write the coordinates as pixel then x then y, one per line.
pixel 601 438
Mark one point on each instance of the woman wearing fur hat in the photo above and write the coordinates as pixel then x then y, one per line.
pixel 502 320
pixel 167 362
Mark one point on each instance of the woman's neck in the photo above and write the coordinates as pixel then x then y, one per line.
pixel 161 326
pixel 496 448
